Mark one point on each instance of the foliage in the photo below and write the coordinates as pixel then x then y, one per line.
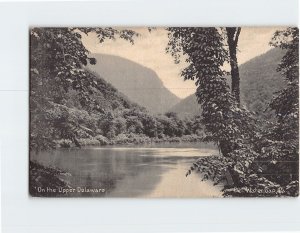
pixel 57 61
pixel 89 141
pixel 46 177
pixel 225 123
pixel 131 139
pixel 139 83
pixel 283 144
pixel 64 143
pixel 245 159
pixel 102 140
pixel 259 80
pixel 70 104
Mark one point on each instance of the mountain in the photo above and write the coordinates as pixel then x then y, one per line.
pixel 187 107
pixel 108 117
pixel 259 81
pixel 107 99
pixel 140 84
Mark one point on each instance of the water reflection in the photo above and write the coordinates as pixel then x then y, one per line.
pixel 130 172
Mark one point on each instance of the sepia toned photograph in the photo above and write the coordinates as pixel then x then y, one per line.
pixel 164 112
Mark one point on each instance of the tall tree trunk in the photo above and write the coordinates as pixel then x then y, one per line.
pixel 232 40
pixel 233 33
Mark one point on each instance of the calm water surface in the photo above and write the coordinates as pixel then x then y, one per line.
pixel 133 171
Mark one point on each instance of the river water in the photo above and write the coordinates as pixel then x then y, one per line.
pixel 133 171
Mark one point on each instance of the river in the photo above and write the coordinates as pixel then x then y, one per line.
pixel 133 171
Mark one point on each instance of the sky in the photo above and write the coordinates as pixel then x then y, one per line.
pixel 149 51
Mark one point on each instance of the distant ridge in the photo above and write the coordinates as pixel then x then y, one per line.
pixel 140 84
pixel 259 81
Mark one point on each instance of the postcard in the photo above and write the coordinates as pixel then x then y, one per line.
pixel 164 112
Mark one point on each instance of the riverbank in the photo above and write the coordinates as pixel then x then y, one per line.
pixel 125 139
pixel 42 179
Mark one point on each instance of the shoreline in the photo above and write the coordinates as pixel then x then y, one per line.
pixel 125 140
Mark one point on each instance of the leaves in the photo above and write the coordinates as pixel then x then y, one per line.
pixel 57 60
pixel 243 141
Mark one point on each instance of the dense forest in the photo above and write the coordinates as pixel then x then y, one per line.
pixel 70 105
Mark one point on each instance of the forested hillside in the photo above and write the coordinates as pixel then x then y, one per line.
pixel 113 119
pixel 140 84
pixel 187 107
pixel 116 120
pixel 70 105
pixel 259 81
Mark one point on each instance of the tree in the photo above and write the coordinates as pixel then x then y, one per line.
pixel 232 34
pixel 206 54
pixel 249 153
pixel 282 141
pixel 227 124
pixel 57 61
pixel 286 102
pixel 150 125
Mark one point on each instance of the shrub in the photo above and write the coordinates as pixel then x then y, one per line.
pixel 103 140
pixel 88 141
pixel 64 143
pixel 131 139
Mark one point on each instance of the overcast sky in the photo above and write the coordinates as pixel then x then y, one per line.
pixel 149 50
